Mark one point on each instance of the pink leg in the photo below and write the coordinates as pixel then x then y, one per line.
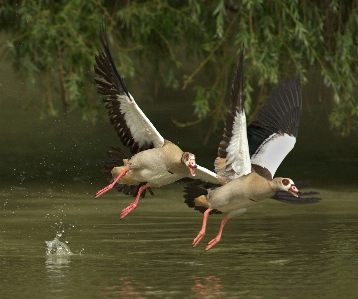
pixel 217 239
pixel 111 185
pixel 134 204
pixel 203 228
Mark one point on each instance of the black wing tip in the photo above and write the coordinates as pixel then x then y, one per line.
pixel 282 110
pixel 133 189
pixel 302 198
pixel 294 81
pixel 236 92
pixel 105 53
pixel 236 105
pixel 103 34
pixel 117 156
pixel 192 192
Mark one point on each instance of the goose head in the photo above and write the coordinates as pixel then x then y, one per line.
pixel 189 160
pixel 285 184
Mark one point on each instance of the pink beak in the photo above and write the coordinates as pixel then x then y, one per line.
pixel 293 190
pixel 192 166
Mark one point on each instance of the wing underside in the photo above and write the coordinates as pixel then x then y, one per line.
pixel 132 126
pixel 206 175
pixel 273 134
pixel 233 158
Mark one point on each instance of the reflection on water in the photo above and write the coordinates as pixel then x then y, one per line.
pixel 57 262
pixel 201 287
pixel 127 287
pixel 58 278
pixel 275 250
pixel 207 287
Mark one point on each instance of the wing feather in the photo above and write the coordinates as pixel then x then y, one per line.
pixel 273 134
pixel 206 175
pixel 132 126
pixel 233 158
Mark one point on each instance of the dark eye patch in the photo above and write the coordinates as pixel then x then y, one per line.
pixel 285 182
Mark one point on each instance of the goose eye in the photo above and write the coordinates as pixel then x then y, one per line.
pixel 285 182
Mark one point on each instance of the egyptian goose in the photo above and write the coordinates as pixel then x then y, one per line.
pixel 155 161
pixel 248 157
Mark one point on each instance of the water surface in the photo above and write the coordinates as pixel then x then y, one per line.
pixel 50 169
pixel 274 250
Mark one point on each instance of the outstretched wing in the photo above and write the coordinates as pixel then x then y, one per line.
pixel 132 126
pixel 206 175
pixel 273 134
pixel 203 177
pixel 303 197
pixel 233 158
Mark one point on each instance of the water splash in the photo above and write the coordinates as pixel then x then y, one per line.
pixel 56 247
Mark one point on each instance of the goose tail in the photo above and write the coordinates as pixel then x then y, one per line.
pixel 196 197
pixel 118 156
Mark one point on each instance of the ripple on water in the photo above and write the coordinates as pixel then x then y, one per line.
pixel 56 247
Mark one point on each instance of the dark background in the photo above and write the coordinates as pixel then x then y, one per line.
pixel 53 151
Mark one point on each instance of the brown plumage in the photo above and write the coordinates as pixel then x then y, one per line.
pixel 248 181
pixel 155 161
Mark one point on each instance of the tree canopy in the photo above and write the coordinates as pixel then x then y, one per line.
pixel 56 41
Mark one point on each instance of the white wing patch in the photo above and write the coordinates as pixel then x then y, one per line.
pixel 205 175
pixel 273 150
pixel 238 157
pixel 141 128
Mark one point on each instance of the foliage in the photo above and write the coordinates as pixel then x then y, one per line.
pixel 58 39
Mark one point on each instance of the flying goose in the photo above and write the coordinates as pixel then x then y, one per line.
pixel 249 157
pixel 155 161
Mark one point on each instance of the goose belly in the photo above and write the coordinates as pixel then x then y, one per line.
pixel 155 178
pixel 236 204
pixel 232 196
pixel 151 166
